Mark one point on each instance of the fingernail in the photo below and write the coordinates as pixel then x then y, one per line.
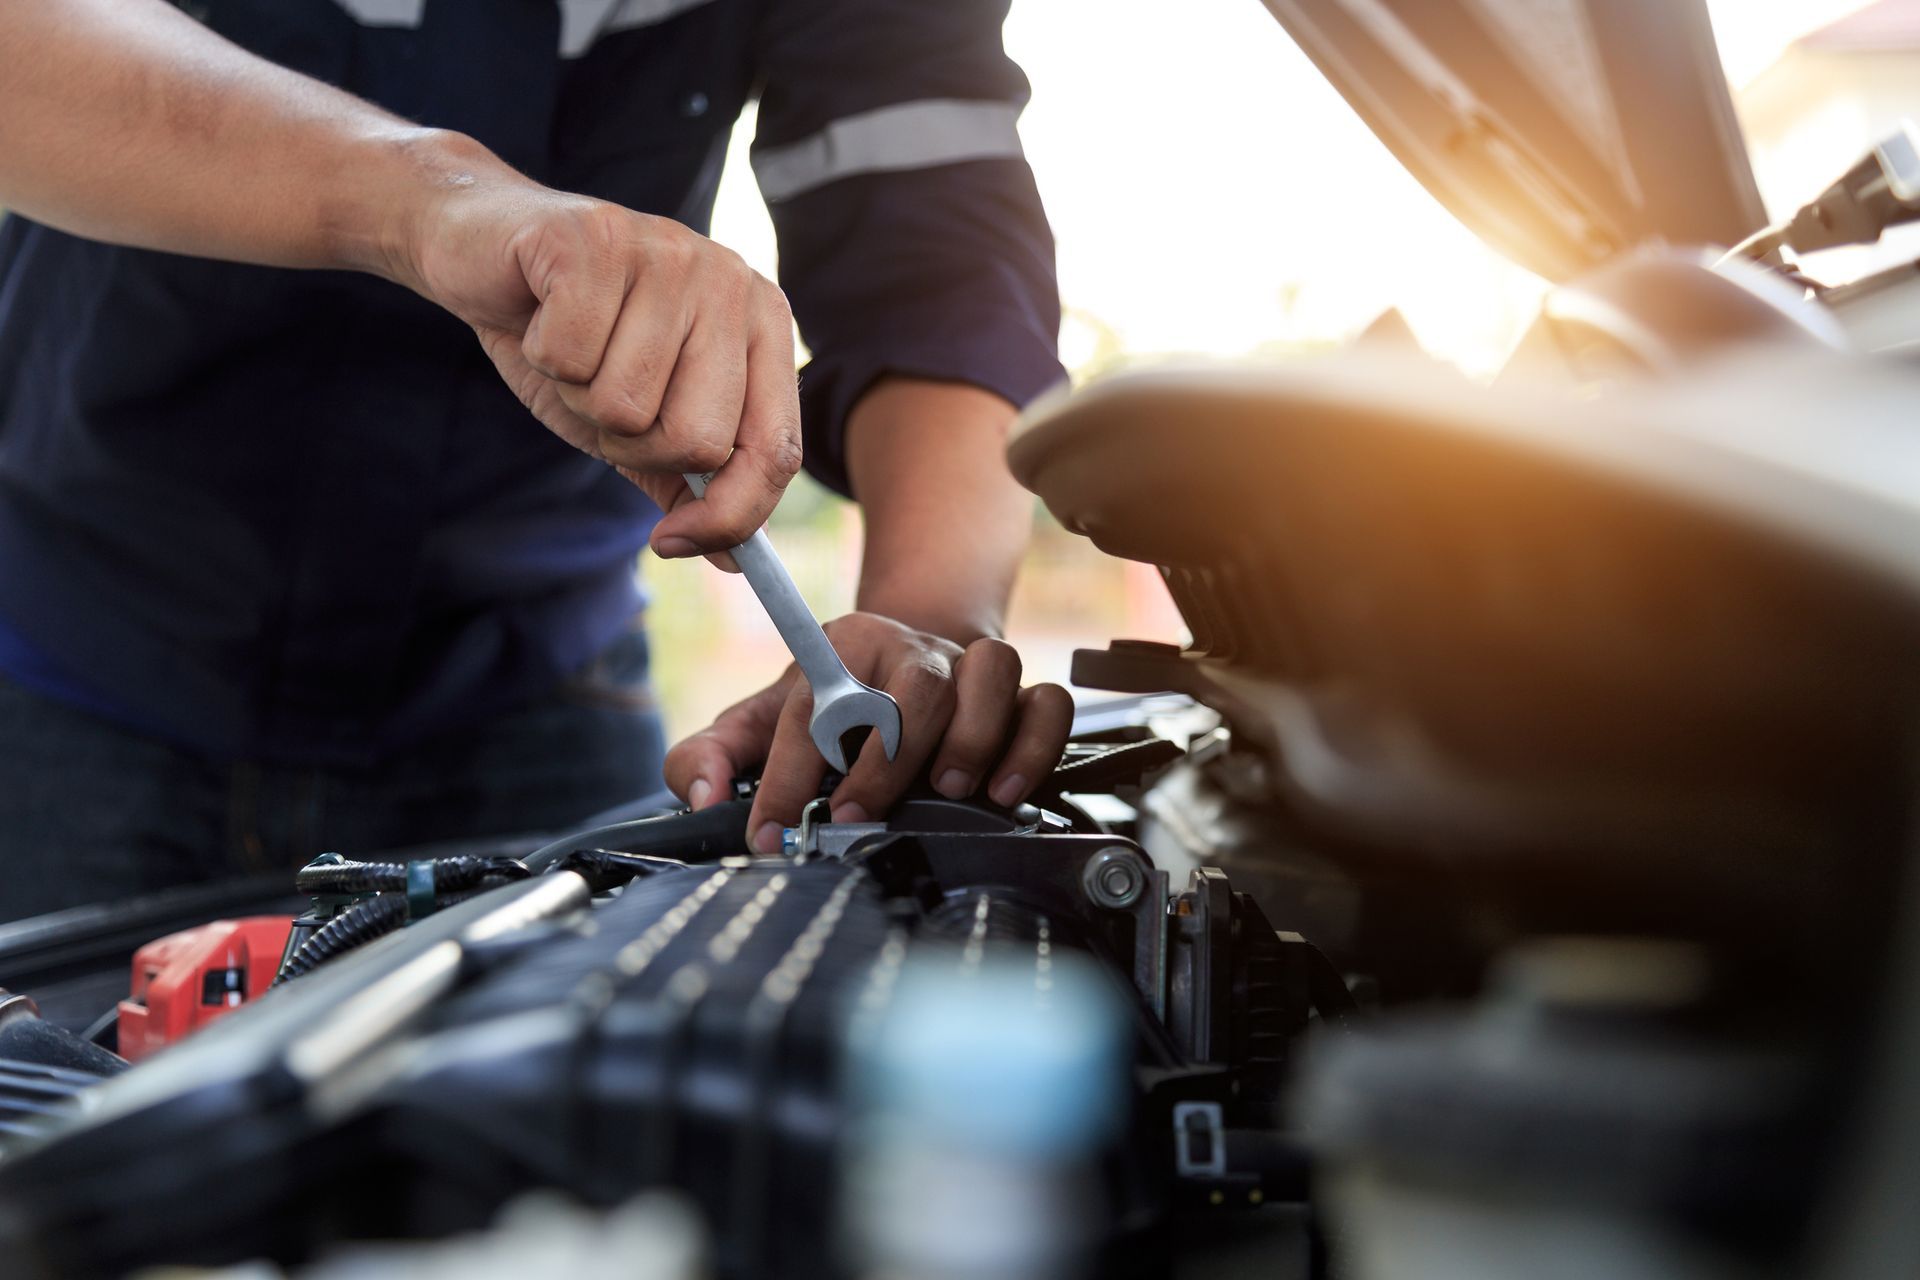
pixel 673 548
pixel 1007 791
pixel 954 785
pixel 849 812
pixel 697 793
pixel 767 838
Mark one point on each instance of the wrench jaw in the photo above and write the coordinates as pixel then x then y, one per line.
pixel 841 723
pixel 849 747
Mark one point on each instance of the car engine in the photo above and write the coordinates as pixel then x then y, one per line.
pixel 645 1005
pixel 1386 926
pixel 1514 874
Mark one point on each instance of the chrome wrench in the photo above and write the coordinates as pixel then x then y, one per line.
pixel 844 710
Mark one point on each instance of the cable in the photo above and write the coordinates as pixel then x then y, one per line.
pixel 449 875
pixel 402 890
pixel 606 868
pixel 358 925
pixel 717 831
pixel 105 1029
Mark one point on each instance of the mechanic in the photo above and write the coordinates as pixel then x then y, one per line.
pixel 287 565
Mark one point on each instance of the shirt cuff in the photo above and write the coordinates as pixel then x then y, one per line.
pixel 1005 355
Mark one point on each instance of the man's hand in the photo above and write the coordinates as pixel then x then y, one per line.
pixel 633 339
pixel 946 526
pixel 968 727
pixel 630 337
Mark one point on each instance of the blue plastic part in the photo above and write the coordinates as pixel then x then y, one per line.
pixel 420 897
pixel 1000 1057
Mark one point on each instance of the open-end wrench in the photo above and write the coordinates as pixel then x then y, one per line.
pixel 843 708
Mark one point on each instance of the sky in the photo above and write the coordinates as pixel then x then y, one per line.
pixel 1211 193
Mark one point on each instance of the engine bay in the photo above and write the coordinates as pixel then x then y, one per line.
pixel 1385 921
pixel 647 1005
pixel 1512 875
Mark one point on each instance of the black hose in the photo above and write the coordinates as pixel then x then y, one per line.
pixel 28 1039
pixel 352 877
pixel 606 868
pixel 712 833
pixel 358 925
pixel 450 875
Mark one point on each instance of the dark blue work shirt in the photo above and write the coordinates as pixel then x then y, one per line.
pixel 297 516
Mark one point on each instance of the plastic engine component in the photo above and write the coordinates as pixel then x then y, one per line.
pixel 183 982
pixel 698 1030
pixel 691 1039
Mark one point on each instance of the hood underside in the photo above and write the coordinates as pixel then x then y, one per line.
pixel 1561 131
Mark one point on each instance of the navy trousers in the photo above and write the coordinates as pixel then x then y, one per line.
pixel 90 811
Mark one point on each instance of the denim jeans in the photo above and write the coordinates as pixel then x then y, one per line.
pixel 90 811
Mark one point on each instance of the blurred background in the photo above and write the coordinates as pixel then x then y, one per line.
pixel 1213 196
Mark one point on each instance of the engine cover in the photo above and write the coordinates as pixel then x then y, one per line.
pixel 690 1038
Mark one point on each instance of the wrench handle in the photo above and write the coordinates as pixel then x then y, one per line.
pixel 792 617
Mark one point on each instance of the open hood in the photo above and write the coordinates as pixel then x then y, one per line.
pixel 1561 131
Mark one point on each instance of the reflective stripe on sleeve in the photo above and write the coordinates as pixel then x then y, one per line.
pixel 582 22
pixel 908 135
pixel 385 13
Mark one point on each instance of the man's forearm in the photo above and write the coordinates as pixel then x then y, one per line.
pixel 125 120
pixel 946 525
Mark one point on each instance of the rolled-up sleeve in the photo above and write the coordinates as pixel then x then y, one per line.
pixel 912 238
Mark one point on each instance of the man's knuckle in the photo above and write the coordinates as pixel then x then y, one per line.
pixel 924 682
pixel 672 249
pixel 1053 697
pixel 731 300
pixel 612 410
pixel 786 456
pixel 553 358
pixel 996 656
pixel 703 452
pixel 729 270
pixel 626 454
pixel 876 628
pixel 571 368
pixel 772 300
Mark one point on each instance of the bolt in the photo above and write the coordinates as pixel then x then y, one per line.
pixel 1114 878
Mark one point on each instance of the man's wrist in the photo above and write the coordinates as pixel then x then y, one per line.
pixel 935 617
pixel 946 524
pixel 381 221
pixel 961 631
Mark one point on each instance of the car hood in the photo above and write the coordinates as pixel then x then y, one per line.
pixel 1562 132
